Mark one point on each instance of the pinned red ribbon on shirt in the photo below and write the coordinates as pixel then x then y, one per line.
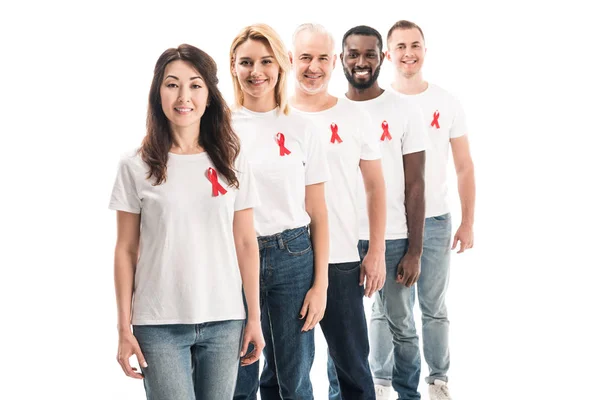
pixel 436 116
pixel 334 134
pixel 214 179
pixel 281 142
pixel 386 131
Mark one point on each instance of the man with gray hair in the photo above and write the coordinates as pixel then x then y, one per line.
pixel 351 151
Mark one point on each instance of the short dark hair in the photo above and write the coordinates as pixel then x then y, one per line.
pixel 404 24
pixel 364 30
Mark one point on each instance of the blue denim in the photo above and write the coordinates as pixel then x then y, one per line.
pixel 431 287
pixel 345 329
pixel 286 275
pixel 188 362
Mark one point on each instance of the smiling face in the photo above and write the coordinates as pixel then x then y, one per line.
pixel 256 69
pixel 406 51
pixel 313 61
pixel 183 95
pixel 361 60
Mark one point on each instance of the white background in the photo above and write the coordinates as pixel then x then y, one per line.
pixel 74 86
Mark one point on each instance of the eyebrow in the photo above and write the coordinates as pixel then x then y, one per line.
pixel 262 58
pixel 191 78
pixel 415 42
pixel 310 55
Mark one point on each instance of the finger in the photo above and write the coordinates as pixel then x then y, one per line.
pixel 462 247
pixel 309 321
pixel 141 359
pixel 245 345
pixel 304 309
pixel 400 274
pixel 361 277
pixel 455 242
pixel 251 357
pixel 369 286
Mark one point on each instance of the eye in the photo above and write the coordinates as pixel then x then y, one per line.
pixel 416 45
pixel 196 86
pixel 324 59
pixel 267 61
pixel 244 62
pixel 171 85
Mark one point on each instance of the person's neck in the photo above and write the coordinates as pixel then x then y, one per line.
pixel 364 94
pixel 312 102
pixel 260 104
pixel 409 85
pixel 186 140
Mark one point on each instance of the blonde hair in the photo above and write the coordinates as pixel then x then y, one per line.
pixel 267 35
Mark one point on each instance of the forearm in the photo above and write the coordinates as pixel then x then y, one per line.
pixel 125 263
pixel 248 261
pixel 377 215
pixel 415 212
pixel 319 231
pixel 466 191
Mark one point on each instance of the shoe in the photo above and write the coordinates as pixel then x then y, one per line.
pixel 439 390
pixel 383 392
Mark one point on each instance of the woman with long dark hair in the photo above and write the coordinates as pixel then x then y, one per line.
pixel 186 241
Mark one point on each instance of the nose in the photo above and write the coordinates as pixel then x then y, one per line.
pixel 362 61
pixel 184 94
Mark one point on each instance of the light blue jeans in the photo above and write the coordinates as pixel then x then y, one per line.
pixel 189 362
pixel 395 357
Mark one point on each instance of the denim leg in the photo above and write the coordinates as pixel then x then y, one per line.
pixel 345 328
pixel 432 286
pixel 334 385
pixel 215 358
pixel 167 350
pixel 289 273
pixel 398 303
pixel 381 358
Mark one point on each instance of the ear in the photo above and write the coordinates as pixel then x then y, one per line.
pixel 232 67
pixel 334 60
pixel 291 56
pixel 388 55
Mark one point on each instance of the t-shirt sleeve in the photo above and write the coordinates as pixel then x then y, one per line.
pixel 369 148
pixel 124 194
pixel 247 194
pixel 415 134
pixel 459 123
pixel 317 167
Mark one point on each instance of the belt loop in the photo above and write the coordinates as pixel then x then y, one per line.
pixel 280 241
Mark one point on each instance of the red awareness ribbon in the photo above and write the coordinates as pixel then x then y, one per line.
pixel 386 131
pixel 436 116
pixel 334 134
pixel 281 142
pixel 214 179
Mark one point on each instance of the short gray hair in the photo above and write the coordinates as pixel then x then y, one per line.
pixel 313 28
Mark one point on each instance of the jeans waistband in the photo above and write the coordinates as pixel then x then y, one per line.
pixel 281 238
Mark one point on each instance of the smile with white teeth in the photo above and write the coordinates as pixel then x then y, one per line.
pixel 361 73
pixel 409 61
pixel 257 81
pixel 182 109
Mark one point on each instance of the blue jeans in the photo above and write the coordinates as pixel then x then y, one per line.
pixel 286 275
pixel 395 357
pixel 345 329
pixel 188 362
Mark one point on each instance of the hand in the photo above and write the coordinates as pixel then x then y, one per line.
pixel 464 234
pixel 409 270
pixel 373 269
pixel 128 346
pixel 252 334
pixel 313 308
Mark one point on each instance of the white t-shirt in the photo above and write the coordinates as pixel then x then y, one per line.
pixel 398 126
pixel 444 120
pixel 344 132
pixel 286 156
pixel 187 272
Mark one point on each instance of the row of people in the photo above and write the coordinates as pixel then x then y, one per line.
pixel 239 231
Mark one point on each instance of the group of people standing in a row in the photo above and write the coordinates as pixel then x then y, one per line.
pixel 239 231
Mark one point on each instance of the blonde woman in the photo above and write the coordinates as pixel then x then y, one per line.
pixel 290 168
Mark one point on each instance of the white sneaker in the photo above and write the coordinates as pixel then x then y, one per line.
pixel 439 390
pixel 383 392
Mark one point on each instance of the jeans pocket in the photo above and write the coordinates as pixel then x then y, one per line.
pixel 347 267
pixel 299 245
pixel 441 218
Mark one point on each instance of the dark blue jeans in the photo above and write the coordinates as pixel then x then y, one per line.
pixel 286 275
pixel 345 328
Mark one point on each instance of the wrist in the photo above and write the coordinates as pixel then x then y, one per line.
pixel 124 329
pixel 320 284
pixel 411 252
